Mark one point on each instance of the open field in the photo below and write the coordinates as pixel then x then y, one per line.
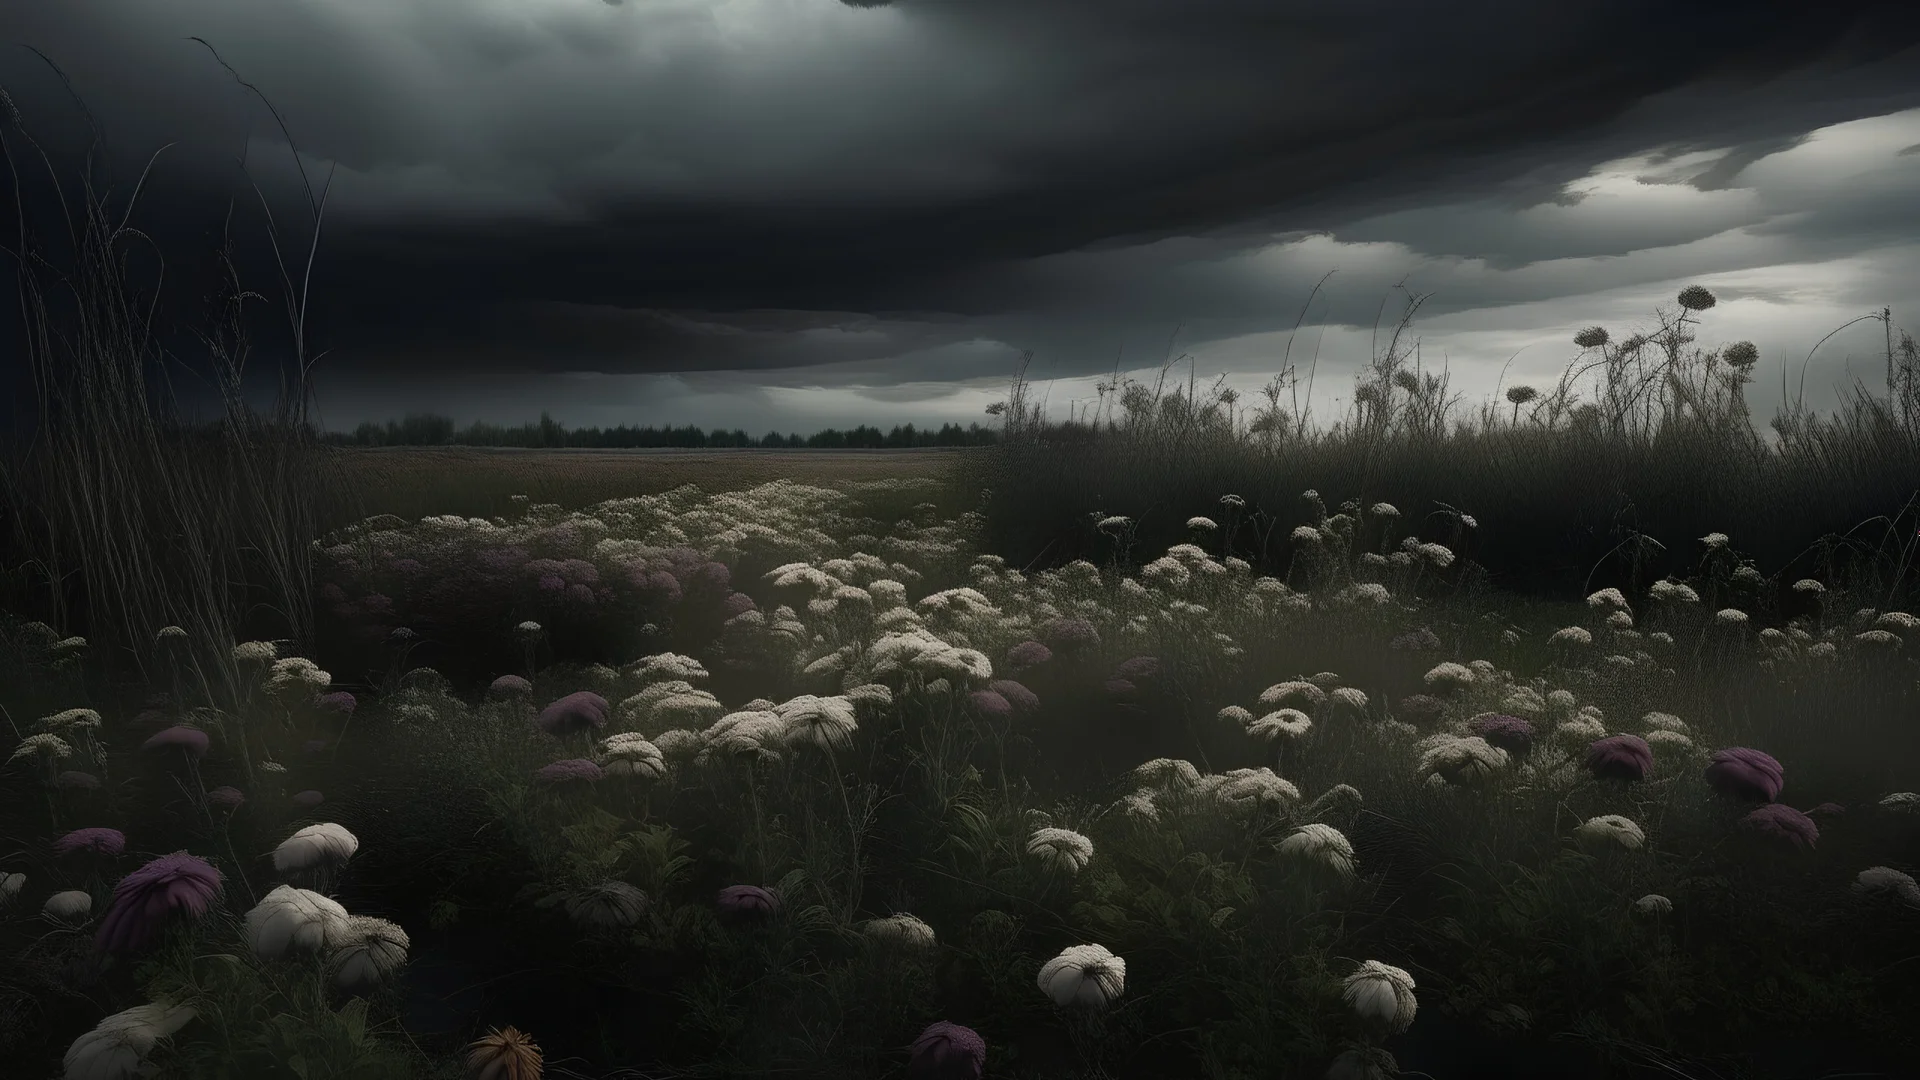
pixel 477 481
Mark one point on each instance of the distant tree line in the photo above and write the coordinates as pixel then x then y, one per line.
pixel 432 429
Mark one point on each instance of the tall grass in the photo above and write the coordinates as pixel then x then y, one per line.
pixel 123 520
pixel 1605 478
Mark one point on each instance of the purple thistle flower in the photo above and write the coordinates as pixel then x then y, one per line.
pixel 143 901
pixel 946 1051
pixel 577 712
pixel 226 798
pixel 748 902
pixel 1744 773
pixel 1827 809
pixel 1070 633
pixel 1022 699
pixel 990 703
pixel 580 594
pixel 1510 733
pixel 1028 654
pixel 580 570
pixel 307 800
pixel 1781 825
pixel 569 771
pixel 1140 667
pixel 1420 709
pixel 551 583
pixel 190 741
pixel 655 585
pixel 338 701
pixel 97 840
pixel 1619 757
pixel 738 604
pixel 509 686
pixel 74 780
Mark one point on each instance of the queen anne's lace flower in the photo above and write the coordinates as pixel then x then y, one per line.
pixel 1088 976
pixel 1061 849
pixel 1382 995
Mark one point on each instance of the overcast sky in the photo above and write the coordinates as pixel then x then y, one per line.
pixel 798 213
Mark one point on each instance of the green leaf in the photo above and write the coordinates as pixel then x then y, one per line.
pixel 354 1018
pixel 1220 917
pixel 297 1065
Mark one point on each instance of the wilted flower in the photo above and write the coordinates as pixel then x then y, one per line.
pixel 1884 881
pixel 99 841
pixel 1382 995
pixel 1653 904
pixel 324 845
pixel 1285 724
pixel 294 920
pixel 1609 831
pixel 144 900
pixel 68 906
pixel 1462 761
pixel 507 686
pixel 118 1046
pixel 946 1051
pixel 748 902
pixel 1322 844
pixel 1084 975
pixel 607 905
pixel 1619 757
pixel 1782 826
pixel 1744 773
pixel 901 930
pixel 368 952
pixel 1062 849
pixel 46 747
pixel 503 1054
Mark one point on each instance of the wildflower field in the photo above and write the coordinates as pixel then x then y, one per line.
pixel 809 777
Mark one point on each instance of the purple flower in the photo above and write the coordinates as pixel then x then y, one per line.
pixel 1028 654
pixel 1070 633
pixel 377 604
pixel 1140 667
pixel 577 712
pixel 332 594
pixel 1619 757
pixel 990 703
pixel 1421 640
pixel 1420 709
pixel 97 840
pixel 1743 773
pixel 946 1051
pixel 710 578
pixel 551 583
pixel 748 902
pixel 77 781
pixel 307 800
pixel 509 686
pixel 407 567
pixel 338 701
pixel 738 604
pixel 1022 699
pixel 580 570
pixel 1120 688
pixel 1510 733
pixel 143 901
pixel 1781 825
pixel 580 594
pixel 190 741
pixel 226 798
pixel 657 585
pixel 569 771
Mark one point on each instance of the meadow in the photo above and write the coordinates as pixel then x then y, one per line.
pixel 1575 739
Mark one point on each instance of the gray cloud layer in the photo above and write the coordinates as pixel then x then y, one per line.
pixel 893 195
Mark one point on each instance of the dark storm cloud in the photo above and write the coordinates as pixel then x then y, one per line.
pixel 689 185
